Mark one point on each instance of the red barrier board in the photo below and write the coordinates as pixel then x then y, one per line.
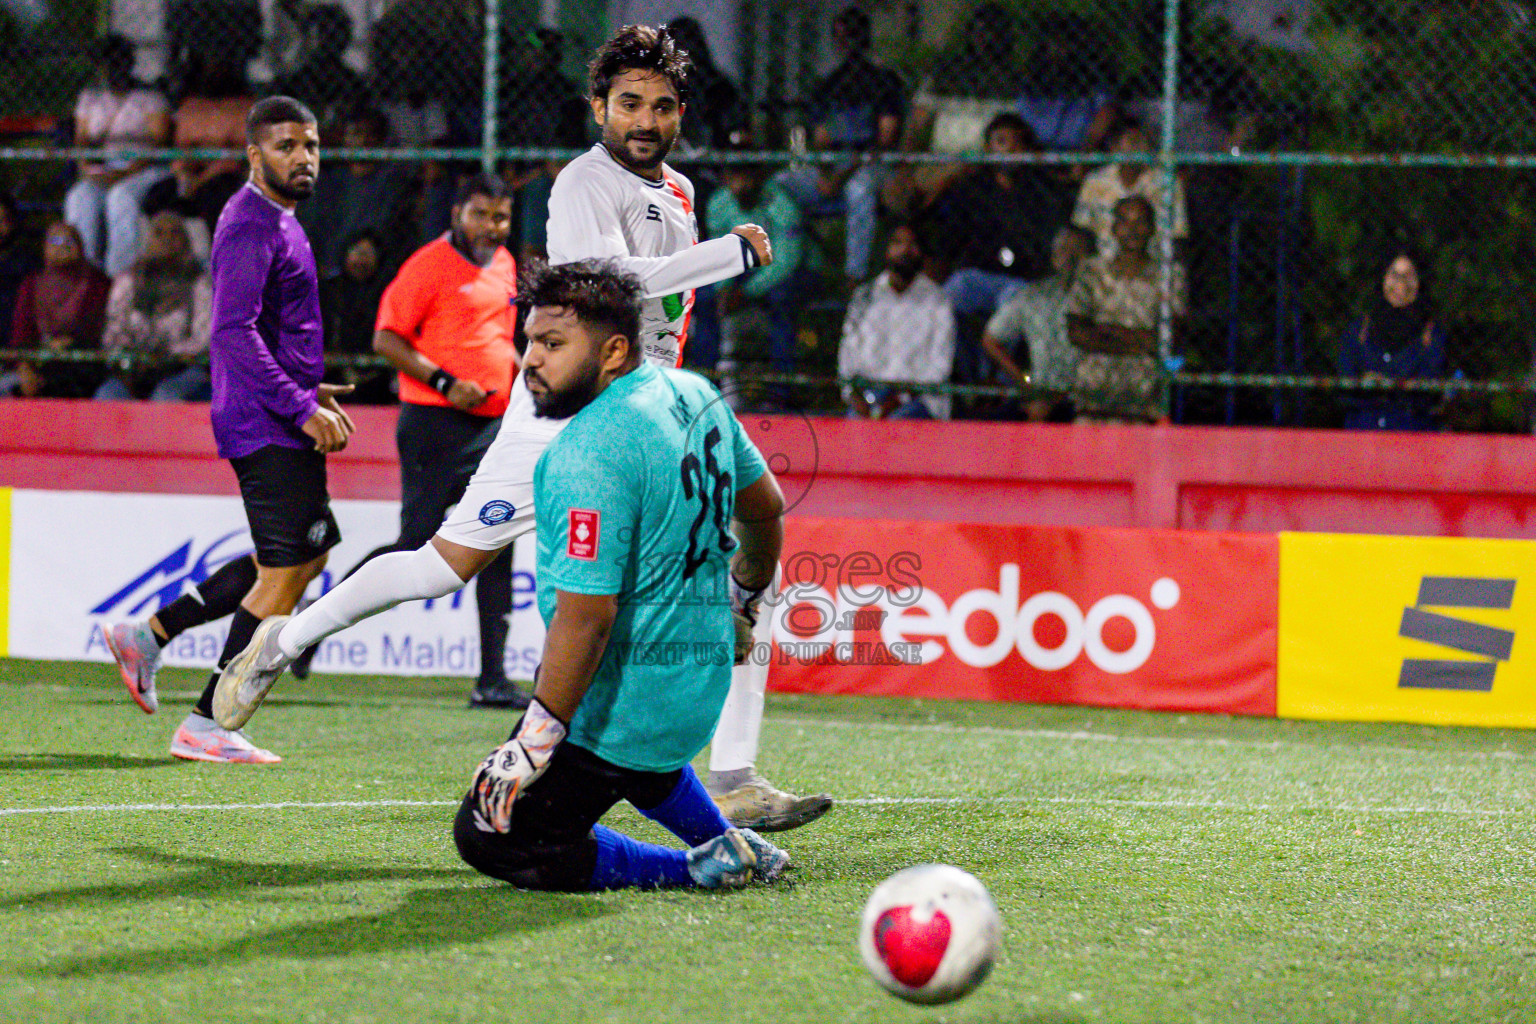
pixel 1155 619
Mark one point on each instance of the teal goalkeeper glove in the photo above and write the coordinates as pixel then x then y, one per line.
pixel 515 765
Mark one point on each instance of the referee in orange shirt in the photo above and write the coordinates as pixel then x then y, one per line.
pixel 446 323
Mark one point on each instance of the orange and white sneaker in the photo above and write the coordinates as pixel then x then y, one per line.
pixel 137 652
pixel 202 739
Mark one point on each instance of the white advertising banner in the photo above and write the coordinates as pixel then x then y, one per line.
pixel 80 559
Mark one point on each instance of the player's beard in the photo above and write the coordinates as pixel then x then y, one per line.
pixel 569 400
pixel 618 145
pixel 287 189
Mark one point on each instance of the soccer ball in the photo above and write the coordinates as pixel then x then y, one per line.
pixel 930 933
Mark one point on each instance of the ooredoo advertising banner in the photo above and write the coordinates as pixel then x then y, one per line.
pixel 1128 618
pixel 1124 618
pixel 1407 629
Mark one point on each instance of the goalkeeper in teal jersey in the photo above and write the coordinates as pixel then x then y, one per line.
pixel 659 526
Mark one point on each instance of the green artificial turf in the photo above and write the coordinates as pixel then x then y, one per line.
pixel 1149 868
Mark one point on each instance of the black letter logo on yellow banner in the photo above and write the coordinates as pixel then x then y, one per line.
pixel 1457 634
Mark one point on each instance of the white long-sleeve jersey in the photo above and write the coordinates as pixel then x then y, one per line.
pixel 600 210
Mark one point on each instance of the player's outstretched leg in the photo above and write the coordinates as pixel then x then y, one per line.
pixel 746 798
pixel 377 585
pixel 248 677
pixel 136 646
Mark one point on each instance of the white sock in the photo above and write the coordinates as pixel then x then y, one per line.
pixel 379 585
pixel 196 723
pixel 734 746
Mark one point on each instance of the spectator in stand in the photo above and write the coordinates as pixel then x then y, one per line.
pixel 900 327
pixel 1036 314
pixel 116 114
pixel 1066 96
pixel 349 305
pixel 998 220
pixel 537 105
pixel 1104 188
pixel 1112 317
pixel 770 293
pixel 324 79
pixel 17 258
pixel 161 308
pixel 968 89
pixel 856 109
pixel 1396 339
pixel 359 195
pixel 715 107
pixel 60 308
pixel 211 116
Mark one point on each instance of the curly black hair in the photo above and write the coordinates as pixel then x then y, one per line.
pixel 602 295
pixel 640 48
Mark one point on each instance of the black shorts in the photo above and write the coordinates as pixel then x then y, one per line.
pixel 287 505
pixel 550 845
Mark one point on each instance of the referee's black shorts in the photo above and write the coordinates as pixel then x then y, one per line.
pixel 287 505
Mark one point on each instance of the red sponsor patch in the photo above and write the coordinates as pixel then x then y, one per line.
pixel 582 534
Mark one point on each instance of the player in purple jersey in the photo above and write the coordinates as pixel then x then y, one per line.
pixel 272 418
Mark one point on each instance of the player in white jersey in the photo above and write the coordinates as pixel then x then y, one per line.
pixel 621 202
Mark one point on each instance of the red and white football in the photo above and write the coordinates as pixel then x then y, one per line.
pixel 930 933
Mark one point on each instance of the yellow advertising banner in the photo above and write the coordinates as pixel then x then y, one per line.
pixel 1438 630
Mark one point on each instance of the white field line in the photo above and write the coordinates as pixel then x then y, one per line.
pixel 868 801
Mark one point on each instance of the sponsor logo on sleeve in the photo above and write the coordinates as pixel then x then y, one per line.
pixel 582 536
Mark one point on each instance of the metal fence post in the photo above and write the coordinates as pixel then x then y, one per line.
pixel 488 111
pixel 1168 167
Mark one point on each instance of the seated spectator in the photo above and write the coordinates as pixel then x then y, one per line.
pixel 998 221
pixel 59 308
pixel 116 114
pixel 1396 339
pixel 715 107
pixel 349 306
pixel 1066 98
pixel 324 80
pixel 371 195
pixel 772 293
pixel 1105 187
pixel 161 309
pixel 967 90
pixel 1036 314
pixel 856 109
pixel 17 258
pixel 212 116
pixel 1112 317
pixel 900 327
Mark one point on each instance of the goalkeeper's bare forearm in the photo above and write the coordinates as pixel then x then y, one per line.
pixel 759 526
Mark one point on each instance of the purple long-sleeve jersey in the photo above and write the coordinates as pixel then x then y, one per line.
pixel 267 344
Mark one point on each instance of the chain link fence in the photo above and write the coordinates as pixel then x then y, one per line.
pixel 1135 208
